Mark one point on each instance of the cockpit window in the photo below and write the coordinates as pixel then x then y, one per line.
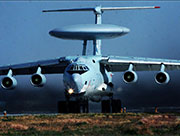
pixel 77 68
pixel 81 68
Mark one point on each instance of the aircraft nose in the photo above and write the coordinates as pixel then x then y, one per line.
pixel 77 82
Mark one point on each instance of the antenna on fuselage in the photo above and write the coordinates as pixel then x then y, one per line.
pixel 98 11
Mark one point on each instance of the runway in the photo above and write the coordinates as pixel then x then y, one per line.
pixel 26 114
pixel 131 110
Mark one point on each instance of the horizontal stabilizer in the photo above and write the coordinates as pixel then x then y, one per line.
pixel 96 9
pixel 128 8
pixel 73 9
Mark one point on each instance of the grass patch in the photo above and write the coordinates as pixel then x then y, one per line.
pixel 96 124
pixel 45 116
pixel 31 132
pixel 8 118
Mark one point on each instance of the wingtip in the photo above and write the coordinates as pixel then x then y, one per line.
pixel 157 7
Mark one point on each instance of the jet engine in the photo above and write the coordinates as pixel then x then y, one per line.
pixel 8 82
pixel 162 77
pixel 38 80
pixel 130 77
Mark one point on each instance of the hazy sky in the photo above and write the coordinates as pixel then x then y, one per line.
pixel 24 30
pixel 154 33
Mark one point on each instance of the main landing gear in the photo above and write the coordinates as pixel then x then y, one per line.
pixel 111 106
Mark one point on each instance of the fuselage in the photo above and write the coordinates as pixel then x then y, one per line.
pixel 86 77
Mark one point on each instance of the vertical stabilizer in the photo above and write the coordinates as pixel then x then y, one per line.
pixel 98 20
pixel 97 47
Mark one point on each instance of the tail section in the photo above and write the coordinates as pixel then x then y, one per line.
pixel 98 20
pixel 100 9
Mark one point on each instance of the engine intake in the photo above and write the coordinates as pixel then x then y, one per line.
pixel 130 77
pixel 8 82
pixel 38 80
pixel 162 78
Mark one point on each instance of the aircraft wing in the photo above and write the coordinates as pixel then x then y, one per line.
pixel 52 66
pixel 118 64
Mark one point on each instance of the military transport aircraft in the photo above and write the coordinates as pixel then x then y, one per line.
pixel 89 76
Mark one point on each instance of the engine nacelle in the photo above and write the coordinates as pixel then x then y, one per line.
pixel 38 80
pixel 162 77
pixel 130 76
pixel 8 82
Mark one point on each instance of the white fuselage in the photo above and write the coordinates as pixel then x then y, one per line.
pixel 86 76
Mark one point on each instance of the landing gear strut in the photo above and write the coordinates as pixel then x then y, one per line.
pixel 111 105
pixel 108 106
